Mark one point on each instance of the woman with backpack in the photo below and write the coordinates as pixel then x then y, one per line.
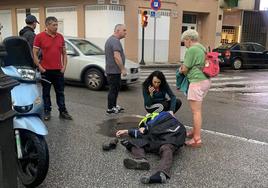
pixel 194 61
pixel 155 89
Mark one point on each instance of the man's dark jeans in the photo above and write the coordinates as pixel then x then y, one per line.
pixel 166 157
pixel 57 80
pixel 114 81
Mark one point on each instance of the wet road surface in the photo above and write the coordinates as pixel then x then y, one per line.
pixel 234 154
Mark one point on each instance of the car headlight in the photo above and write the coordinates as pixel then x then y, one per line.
pixel 27 74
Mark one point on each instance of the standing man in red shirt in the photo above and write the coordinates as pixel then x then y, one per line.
pixel 52 65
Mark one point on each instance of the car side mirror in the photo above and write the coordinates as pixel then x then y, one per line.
pixel 71 53
pixel 265 52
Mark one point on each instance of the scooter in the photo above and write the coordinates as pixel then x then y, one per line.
pixel 30 131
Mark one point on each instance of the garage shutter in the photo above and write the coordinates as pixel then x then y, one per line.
pixel 67 19
pixel 100 22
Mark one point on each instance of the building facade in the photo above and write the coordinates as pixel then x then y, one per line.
pixel 95 20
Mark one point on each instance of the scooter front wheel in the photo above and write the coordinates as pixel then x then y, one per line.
pixel 33 167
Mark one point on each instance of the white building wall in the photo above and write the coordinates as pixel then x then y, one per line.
pixel 21 15
pixel 6 22
pixel 264 5
pixel 162 37
pixel 100 22
pixel 246 4
pixel 67 19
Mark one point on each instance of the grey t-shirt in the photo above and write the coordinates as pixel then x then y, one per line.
pixel 113 44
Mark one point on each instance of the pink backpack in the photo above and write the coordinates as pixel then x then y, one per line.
pixel 211 68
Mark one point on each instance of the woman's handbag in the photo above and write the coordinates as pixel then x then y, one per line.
pixel 182 82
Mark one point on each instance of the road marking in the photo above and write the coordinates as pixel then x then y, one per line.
pixel 221 83
pixel 245 82
pixel 256 94
pixel 165 73
pixel 229 78
pixel 221 134
pixel 235 137
pixel 248 88
pixel 167 77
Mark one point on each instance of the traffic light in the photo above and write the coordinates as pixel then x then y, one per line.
pixel 144 18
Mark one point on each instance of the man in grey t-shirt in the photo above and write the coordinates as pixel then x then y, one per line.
pixel 115 66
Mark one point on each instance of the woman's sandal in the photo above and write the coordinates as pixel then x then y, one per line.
pixel 195 143
pixel 190 134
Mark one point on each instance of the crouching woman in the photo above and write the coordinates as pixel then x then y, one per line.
pixel 155 90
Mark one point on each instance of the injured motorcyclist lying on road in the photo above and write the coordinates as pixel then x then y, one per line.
pixel 158 133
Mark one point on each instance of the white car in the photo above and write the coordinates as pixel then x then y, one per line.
pixel 86 64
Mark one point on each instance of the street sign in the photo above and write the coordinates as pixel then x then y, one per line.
pixel 152 13
pixel 155 14
pixel 155 5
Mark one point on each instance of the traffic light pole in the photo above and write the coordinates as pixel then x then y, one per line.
pixel 142 48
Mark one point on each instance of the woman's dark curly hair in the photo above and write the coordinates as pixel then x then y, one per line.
pixel 149 80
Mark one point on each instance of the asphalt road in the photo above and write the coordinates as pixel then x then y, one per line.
pixel 234 154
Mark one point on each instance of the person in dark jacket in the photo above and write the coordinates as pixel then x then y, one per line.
pixel 155 89
pixel 28 31
pixel 163 135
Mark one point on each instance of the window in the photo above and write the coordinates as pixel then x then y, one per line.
pixel 86 47
pixel 183 28
pixel 258 48
pixel 189 18
pixel 246 47
pixel 69 47
pixel 236 47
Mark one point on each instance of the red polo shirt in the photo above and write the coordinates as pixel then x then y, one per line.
pixel 51 47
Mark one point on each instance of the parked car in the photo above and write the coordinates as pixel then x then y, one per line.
pixel 241 55
pixel 86 64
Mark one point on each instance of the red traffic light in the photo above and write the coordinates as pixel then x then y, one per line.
pixel 144 18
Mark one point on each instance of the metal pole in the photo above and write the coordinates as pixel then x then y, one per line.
pixel 154 39
pixel 142 48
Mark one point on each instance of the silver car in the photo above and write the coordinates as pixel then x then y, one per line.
pixel 86 64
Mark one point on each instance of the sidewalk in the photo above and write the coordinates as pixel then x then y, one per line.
pixel 160 65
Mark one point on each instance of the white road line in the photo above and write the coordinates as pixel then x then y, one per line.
pixel 173 75
pixel 222 134
pixel 235 137
pixel 219 77
pixel 234 88
pixel 167 77
pixel 256 94
pixel 239 89
pixel 229 78
pixel 213 82
pixel 164 71
pixel 245 82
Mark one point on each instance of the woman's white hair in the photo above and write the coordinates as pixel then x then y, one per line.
pixel 190 34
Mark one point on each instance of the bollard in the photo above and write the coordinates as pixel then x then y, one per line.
pixel 8 160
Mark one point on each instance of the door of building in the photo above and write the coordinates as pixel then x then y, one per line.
pixel 185 26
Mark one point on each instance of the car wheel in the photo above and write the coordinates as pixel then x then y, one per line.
pixel 94 79
pixel 237 64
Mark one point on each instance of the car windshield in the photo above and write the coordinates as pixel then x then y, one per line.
pixel 225 46
pixel 86 47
